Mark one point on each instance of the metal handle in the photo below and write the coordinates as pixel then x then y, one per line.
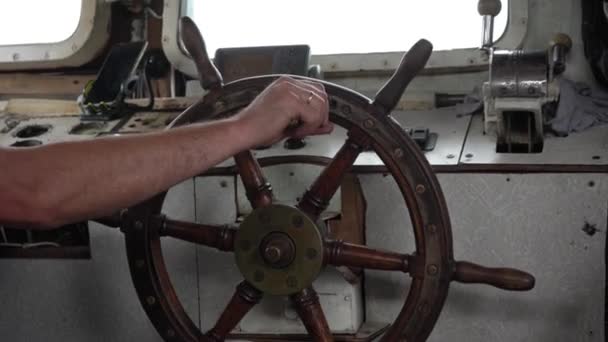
pixel 503 278
pixel 208 74
pixel 411 64
pixel 488 9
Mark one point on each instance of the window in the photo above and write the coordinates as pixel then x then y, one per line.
pixel 342 26
pixel 38 21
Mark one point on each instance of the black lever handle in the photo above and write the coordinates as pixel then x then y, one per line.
pixel 208 74
pixel 411 64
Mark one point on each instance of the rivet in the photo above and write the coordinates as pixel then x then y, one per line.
pixel 451 156
pixel 297 221
pixel 139 225
pixel 347 298
pixel 432 270
pixel 369 123
pixel 151 300
pixel 432 228
pixel 469 155
pixel 346 109
pixel 170 333
pixel 420 189
pixel 139 263
pixel 292 281
pixel 398 153
pixel 311 253
pixel 258 276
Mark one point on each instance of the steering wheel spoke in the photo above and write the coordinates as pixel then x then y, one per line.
pixel 316 199
pixel 243 300
pixel 257 188
pixel 220 237
pixel 340 253
pixel 310 312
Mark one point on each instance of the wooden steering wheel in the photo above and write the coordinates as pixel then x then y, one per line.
pixel 280 249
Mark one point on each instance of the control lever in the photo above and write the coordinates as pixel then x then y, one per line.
pixel 560 45
pixel 208 74
pixel 488 9
pixel 411 64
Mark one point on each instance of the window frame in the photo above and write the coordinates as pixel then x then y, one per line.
pixel 357 63
pixel 90 36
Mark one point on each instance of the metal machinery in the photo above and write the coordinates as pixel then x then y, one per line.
pixel 521 86
pixel 344 237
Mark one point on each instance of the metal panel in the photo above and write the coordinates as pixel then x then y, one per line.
pixel 531 222
pixel 90 300
pixel 59 129
pixel 585 148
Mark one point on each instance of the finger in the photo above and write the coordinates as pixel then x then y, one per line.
pixel 325 96
pixel 307 90
pixel 312 110
pixel 303 132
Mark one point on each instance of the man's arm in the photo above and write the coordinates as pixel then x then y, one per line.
pixel 52 185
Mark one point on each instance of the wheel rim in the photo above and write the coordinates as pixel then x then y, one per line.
pixel 418 185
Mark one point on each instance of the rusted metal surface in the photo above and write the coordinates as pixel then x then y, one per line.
pixel 432 268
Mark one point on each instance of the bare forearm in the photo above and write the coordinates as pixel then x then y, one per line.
pixel 73 181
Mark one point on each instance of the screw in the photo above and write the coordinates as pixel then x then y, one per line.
pixel 346 109
pixel 258 276
pixel 139 263
pixel 311 253
pixel 450 156
pixel 151 300
pixel 369 123
pixel 432 228
pixel 420 189
pixel 469 155
pixel 170 333
pixel 398 153
pixel 432 270
pixel 297 221
pixel 292 281
pixel 224 184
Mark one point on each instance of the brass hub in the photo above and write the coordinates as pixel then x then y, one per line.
pixel 279 250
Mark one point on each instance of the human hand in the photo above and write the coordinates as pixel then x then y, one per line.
pixel 286 108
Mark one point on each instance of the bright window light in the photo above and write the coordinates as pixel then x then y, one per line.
pixel 342 26
pixel 38 21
